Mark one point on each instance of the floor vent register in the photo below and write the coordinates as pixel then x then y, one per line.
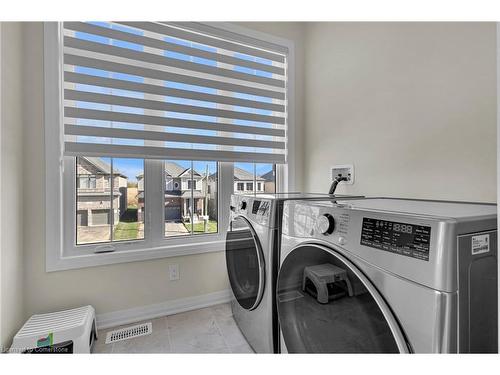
pixel 129 332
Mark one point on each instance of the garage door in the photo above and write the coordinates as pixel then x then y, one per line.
pixel 100 217
pixel 82 218
pixel 172 212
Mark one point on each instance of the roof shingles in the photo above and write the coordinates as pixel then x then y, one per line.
pixel 173 169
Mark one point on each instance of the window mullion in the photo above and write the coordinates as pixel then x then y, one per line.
pixel 70 202
pixel 154 201
pixel 254 186
pixel 226 188
pixel 111 196
pixel 191 202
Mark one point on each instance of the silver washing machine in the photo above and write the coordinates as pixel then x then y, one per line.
pixel 388 275
pixel 252 259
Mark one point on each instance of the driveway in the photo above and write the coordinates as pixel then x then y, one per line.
pixel 92 234
pixel 175 229
pixel 101 233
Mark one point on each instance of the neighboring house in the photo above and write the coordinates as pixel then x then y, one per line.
pixel 178 186
pixel 270 181
pixel 243 183
pixel 94 190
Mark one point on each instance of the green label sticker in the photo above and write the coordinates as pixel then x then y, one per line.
pixel 45 341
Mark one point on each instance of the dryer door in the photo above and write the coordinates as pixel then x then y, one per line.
pixel 327 305
pixel 245 263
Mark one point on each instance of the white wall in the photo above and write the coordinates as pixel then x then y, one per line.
pixel 108 288
pixel 411 105
pixel 11 186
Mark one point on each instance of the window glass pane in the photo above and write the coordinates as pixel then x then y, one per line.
pixel 93 200
pixel 254 178
pixel 177 197
pixel 191 199
pixel 128 199
pixel 266 178
pixel 102 203
pixel 243 177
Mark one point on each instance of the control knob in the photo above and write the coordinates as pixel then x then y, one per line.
pixel 326 224
pixel 243 205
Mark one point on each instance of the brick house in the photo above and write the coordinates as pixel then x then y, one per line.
pixel 93 184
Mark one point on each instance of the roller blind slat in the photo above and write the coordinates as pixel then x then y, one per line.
pixel 169 46
pixel 91 114
pixel 110 150
pixel 170 29
pixel 153 58
pixel 167 137
pixel 166 91
pixel 139 71
pixel 155 90
pixel 165 106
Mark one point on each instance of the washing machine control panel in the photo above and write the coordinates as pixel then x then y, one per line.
pixel 261 207
pixel 326 224
pixel 400 238
pixel 253 208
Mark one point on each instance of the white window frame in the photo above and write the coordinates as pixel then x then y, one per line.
pixel 60 215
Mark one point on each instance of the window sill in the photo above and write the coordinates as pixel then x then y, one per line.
pixel 63 262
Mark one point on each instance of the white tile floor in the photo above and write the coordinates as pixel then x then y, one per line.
pixel 208 330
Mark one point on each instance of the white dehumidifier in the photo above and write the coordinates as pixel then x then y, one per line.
pixel 69 331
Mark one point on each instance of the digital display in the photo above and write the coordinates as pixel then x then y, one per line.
pixel 400 238
pixel 255 207
pixel 403 228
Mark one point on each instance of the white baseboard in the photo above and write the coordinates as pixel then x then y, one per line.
pixel 136 314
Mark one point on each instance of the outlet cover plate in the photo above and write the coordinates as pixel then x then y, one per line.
pixel 344 170
pixel 173 272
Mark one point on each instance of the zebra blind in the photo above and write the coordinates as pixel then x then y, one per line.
pixel 170 91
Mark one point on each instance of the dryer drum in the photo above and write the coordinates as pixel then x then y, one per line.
pixel 334 291
pixel 351 318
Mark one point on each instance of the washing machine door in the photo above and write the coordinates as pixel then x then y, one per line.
pixel 318 315
pixel 245 263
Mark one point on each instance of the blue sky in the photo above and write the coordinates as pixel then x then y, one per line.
pixel 132 167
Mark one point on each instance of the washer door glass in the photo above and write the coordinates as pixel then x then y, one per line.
pixel 245 263
pixel 326 305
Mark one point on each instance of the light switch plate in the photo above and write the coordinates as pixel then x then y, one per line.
pixel 345 170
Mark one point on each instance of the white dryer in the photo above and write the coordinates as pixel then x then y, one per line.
pixel 252 259
pixel 388 275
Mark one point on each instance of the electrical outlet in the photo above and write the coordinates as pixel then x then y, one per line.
pixel 173 271
pixel 344 170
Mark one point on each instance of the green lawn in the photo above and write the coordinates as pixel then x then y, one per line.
pixel 200 227
pixel 128 226
pixel 126 231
